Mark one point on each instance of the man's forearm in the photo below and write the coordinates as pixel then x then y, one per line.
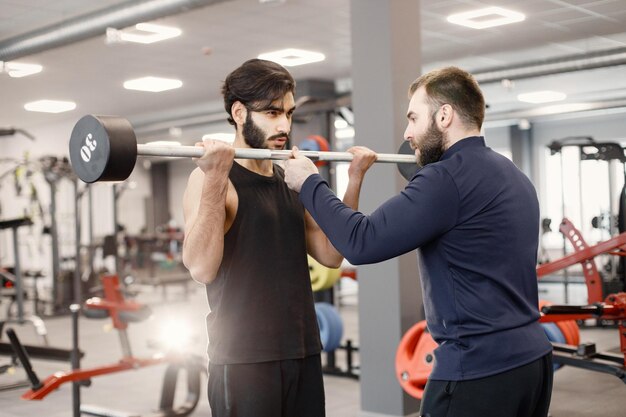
pixel 353 192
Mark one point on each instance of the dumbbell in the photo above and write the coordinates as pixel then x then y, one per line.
pixel 104 148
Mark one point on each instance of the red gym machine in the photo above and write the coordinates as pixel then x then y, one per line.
pixel 121 312
pixel 612 307
pixel 415 359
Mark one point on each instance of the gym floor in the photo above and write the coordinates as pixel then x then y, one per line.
pixel 576 393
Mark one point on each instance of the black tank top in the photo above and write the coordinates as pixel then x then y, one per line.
pixel 261 300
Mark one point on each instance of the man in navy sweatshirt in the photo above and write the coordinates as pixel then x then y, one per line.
pixel 474 219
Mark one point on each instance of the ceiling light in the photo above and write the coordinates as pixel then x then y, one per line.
pixel 541 97
pixel 565 108
pixel 50 106
pixel 523 124
pixel 225 137
pixel 291 57
pixel 340 124
pixel 486 18
pixel 345 133
pixel 18 69
pixel 145 33
pixel 152 84
pixel 175 131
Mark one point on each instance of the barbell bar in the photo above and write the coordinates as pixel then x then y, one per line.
pixel 104 148
pixel 274 154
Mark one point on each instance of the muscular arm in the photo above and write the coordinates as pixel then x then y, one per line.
pixel 205 211
pixel 318 244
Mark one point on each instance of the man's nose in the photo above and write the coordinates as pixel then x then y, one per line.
pixel 284 125
pixel 407 134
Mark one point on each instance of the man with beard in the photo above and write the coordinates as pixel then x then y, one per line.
pixel 247 238
pixel 474 219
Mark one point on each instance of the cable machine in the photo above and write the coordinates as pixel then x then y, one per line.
pixel 609 222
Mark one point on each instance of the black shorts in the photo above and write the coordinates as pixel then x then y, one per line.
pixel 289 388
pixel 520 392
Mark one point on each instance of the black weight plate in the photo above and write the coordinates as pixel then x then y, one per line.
pixel 103 148
pixel 89 149
pixel 123 146
pixel 407 169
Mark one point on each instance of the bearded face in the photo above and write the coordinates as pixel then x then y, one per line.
pixel 430 144
pixel 256 137
pixel 253 134
pixel 423 133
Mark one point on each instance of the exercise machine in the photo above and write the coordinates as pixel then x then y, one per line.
pixel 122 312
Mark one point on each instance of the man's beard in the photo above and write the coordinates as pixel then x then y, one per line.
pixel 254 136
pixel 431 145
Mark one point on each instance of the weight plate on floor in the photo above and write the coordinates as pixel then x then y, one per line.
pixel 415 359
pixel 330 324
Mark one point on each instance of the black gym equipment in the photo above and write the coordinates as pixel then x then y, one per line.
pixel 21 318
pixel 104 148
pixel 11 131
pixel 36 352
pixel 585 355
pixel 54 170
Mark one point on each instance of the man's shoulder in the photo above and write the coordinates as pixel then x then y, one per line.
pixel 439 177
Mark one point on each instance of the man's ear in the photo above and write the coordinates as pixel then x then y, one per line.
pixel 239 112
pixel 444 116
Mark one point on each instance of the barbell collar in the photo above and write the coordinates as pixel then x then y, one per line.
pixel 245 153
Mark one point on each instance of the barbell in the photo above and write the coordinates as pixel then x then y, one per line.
pixel 104 148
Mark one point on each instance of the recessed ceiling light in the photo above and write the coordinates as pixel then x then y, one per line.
pixel 291 57
pixel 523 124
pixel 152 84
pixel 175 131
pixel 145 33
pixel 340 124
pixel 226 137
pixel 18 69
pixel 345 133
pixel 541 97
pixel 50 106
pixel 486 18
pixel 565 108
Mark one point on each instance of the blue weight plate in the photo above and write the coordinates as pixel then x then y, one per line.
pixel 331 327
pixel 554 335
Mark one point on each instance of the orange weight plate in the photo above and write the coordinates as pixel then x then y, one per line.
pixel 564 327
pixel 415 359
pixel 575 332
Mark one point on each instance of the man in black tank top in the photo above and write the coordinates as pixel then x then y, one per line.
pixel 246 238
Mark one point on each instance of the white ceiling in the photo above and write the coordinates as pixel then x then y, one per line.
pixel 91 73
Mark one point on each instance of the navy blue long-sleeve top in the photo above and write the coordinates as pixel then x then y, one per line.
pixel 474 219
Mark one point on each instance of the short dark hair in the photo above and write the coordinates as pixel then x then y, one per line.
pixel 458 88
pixel 256 84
